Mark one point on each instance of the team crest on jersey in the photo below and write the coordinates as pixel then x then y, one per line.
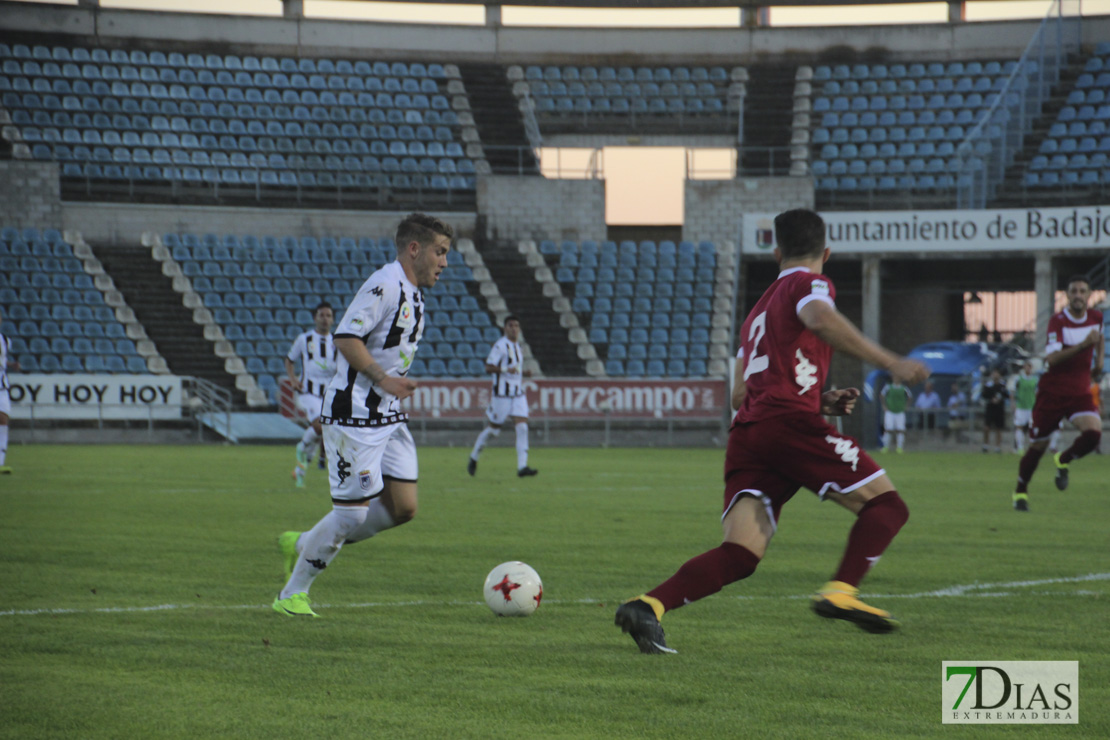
pixel 1052 337
pixel 364 479
pixel 819 287
pixel 405 316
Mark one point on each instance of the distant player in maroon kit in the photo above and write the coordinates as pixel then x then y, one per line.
pixel 779 442
pixel 1074 335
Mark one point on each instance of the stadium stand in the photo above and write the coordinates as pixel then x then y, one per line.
pixel 240 124
pixel 897 127
pixel 260 291
pixel 647 308
pixel 691 99
pixel 60 316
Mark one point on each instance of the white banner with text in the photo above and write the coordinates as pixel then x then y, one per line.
pixel 860 232
pixel 64 396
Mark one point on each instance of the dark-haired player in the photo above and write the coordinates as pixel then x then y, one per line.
pixel 315 351
pixel 779 442
pixel 371 454
pixel 507 399
pixel 1063 392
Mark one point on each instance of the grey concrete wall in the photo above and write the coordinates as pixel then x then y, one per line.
pixel 520 207
pixel 511 45
pixel 29 194
pixel 124 223
pixel 714 207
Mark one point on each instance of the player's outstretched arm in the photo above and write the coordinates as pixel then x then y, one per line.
pixel 841 334
pixel 291 371
pixel 840 402
pixel 1095 337
pixel 358 357
pixel 739 387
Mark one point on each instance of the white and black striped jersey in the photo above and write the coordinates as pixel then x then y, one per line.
pixel 387 314
pixel 5 347
pixel 505 355
pixel 317 355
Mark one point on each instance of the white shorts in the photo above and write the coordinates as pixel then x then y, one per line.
pixel 5 402
pixel 360 458
pixel 1023 417
pixel 894 422
pixel 502 407
pixel 310 405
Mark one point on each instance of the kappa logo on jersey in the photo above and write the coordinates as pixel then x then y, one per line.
pixel 341 468
pixel 805 372
pixel 845 448
pixel 364 479
pixel 819 287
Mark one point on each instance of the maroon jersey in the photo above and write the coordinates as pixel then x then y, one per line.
pixel 1072 377
pixel 785 364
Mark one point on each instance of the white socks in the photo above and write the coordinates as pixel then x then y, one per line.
pixel 377 520
pixel 901 439
pixel 886 440
pixel 319 546
pixel 3 443
pixel 483 438
pixel 1019 439
pixel 521 445
pixel 309 443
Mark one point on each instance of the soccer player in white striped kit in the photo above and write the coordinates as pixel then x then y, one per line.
pixel 507 400
pixel 315 350
pixel 372 465
pixel 5 400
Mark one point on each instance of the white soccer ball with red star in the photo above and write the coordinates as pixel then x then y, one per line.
pixel 513 589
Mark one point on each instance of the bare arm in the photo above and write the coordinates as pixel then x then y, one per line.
pixel 291 371
pixel 739 387
pixel 833 328
pixel 1068 352
pixel 354 351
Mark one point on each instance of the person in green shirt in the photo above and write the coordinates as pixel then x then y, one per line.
pixel 895 399
pixel 1025 393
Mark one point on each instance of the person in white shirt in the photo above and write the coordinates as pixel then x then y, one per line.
pixel 928 402
pixel 5 400
pixel 316 353
pixel 372 466
pixel 507 399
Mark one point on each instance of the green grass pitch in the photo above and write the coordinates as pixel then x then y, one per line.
pixel 136 583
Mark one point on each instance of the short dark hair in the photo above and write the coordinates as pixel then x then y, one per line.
pixel 1078 278
pixel 799 233
pixel 322 304
pixel 423 229
pixel 509 318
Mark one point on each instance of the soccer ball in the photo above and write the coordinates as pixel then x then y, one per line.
pixel 513 589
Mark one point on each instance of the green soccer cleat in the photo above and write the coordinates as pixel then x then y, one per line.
pixel 1061 472
pixel 296 605
pixel 838 600
pixel 302 459
pixel 5 470
pixel 287 545
pixel 1021 502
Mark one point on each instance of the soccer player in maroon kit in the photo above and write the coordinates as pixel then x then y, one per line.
pixel 1074 335
pixel 779 442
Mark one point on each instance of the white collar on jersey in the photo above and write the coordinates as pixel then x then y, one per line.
pixel 1072 319
pixel 322 336
pixel 793 270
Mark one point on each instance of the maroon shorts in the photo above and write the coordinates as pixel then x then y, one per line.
pixel 1049 410
pixel 772 459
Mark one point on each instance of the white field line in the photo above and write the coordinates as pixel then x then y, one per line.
pixel 972 589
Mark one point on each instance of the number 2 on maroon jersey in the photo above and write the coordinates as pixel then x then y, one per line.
pixel 757 363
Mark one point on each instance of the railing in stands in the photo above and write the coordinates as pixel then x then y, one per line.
pixel 204 398
pixel 993 144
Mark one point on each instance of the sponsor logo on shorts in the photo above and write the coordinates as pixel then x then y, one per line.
pixel 341 468
pixel 845 448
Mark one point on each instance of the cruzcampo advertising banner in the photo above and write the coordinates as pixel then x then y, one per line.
pixel 1014 229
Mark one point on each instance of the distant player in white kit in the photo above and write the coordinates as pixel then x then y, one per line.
pixel 507 401
pixel 372 465
pixel 5 400
pixel 315 351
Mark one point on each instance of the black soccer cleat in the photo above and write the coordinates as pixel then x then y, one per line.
pixel 1061 472
pixel 526 471
pixel 637 618
pixel 322 464
pixel 472 466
